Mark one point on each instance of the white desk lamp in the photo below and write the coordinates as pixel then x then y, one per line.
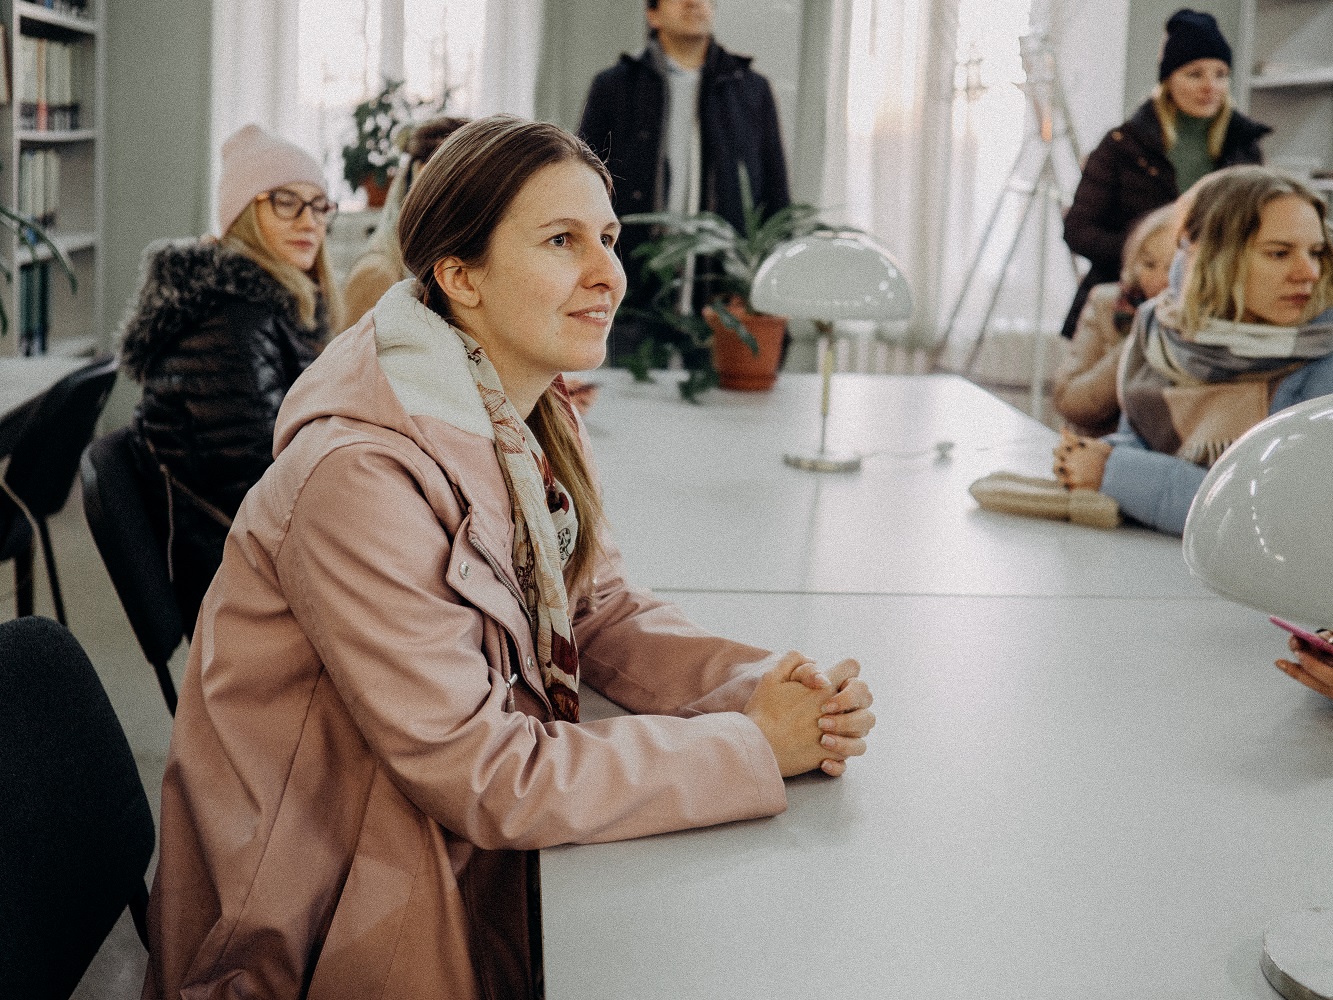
pixel 1259 532
pixel 824 277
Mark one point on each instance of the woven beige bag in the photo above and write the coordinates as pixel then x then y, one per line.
pixel 1011 493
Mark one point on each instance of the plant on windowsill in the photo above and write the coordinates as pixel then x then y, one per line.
pixel 732 344
pixel 31 234
pixel 371 157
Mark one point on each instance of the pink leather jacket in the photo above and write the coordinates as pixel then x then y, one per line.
pixel 348 807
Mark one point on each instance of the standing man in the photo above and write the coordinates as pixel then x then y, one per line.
pixel 672 124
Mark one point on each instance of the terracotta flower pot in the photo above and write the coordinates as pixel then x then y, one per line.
pixel 737 366
pixel 376 192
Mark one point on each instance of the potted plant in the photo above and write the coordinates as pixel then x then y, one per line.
pixel 732 344
pixel 370 158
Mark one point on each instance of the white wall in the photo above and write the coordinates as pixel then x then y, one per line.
pixel 1146 23
pixel 157 136
pixel 1090 41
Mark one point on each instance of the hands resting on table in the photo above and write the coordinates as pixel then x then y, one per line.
pixel 1080 462
pixel 811 719
pixel 1311 667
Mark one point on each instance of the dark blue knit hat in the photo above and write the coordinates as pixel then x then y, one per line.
pixel 1190 35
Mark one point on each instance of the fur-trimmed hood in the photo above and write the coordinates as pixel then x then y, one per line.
pixel 184 283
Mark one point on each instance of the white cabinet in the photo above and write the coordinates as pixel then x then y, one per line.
pixel 51 154
pixel 1284 78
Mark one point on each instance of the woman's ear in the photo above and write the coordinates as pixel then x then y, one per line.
pixel 455 280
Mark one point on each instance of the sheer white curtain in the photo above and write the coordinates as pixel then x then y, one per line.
pixel 510 55
pixel 933 118
pixel 887 169
pixel 298 67
pixel 254 73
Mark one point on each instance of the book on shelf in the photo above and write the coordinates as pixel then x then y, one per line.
pixel 34 307
pixel 39 186
pixel 74 8
pixel 46 84
pixel 4 64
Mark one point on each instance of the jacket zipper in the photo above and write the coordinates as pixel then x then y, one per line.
pixel 512 678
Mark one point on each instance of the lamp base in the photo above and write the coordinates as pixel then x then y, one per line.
pixel 825 461
pixel 1295 958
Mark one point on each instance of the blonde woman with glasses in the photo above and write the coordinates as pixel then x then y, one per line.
pixel 220 331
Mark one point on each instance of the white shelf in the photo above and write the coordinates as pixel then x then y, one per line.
pixel 1314 76
pixel 1284 78
pixel 69 243
pixel 36 12
pixel 44 136
pixel 73 316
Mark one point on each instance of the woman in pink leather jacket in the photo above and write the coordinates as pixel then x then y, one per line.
pixel 378 725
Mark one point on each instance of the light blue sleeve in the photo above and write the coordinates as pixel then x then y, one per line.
pixel 1157 489
pixel 1152 488
pixel 1315 379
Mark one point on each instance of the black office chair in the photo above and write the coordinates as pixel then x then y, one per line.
pixel 41 472
pixel 77 833
pixel 134 556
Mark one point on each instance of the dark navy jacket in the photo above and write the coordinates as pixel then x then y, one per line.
pixel 624 121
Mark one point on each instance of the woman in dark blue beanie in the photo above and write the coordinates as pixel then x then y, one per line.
pixel 1186 129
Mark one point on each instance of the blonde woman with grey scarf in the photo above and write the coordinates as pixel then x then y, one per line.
pixel 1251 333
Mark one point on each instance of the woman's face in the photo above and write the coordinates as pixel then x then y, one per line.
pixel 1200 87
pixel 542 301
pixel 296 241
pixel 1154 265
pixel 1282 262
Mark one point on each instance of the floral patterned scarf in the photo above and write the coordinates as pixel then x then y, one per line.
pixel 545 529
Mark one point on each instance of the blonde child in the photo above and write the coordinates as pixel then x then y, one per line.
pixel 1084 392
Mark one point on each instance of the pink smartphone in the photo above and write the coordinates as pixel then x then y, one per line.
pixel 1305 635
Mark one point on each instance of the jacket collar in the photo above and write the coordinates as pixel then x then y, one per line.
pixel 187 281
pixel 1147 130
pixel 718 63
pixel 426 363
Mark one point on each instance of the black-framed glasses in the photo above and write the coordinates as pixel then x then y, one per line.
pixel 288 205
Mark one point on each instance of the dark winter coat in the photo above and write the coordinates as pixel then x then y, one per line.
pixel 624 121
pixel 1126 177
pixel 216 342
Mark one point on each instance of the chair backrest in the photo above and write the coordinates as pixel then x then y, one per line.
pixel 77 833
pixel 134 556
pixel 46 457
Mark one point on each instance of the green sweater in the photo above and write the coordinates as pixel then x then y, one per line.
pixel 1190 153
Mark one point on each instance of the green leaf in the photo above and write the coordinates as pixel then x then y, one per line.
pixel 733 323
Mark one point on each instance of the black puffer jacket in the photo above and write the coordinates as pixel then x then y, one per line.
pixel 1126 177
pixel 624 121
pixel 216 342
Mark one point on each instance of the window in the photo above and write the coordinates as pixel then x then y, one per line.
pixel 347 48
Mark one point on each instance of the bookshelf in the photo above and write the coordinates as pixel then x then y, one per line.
pixel 51 155
pixel 1284 78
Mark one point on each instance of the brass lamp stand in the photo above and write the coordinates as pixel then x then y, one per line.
pixel 824 277
pixel 824 460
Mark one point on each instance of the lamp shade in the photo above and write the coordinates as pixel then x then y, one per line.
pixel 1260 530
pixel 832 276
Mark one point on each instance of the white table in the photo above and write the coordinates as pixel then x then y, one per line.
pixel 700 498
pixel 1087 779
pixel 22 382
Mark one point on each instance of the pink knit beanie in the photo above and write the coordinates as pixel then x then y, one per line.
pixel 254 162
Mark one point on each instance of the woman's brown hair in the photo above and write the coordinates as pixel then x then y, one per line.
pixel 1227 215
pixel 452 210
